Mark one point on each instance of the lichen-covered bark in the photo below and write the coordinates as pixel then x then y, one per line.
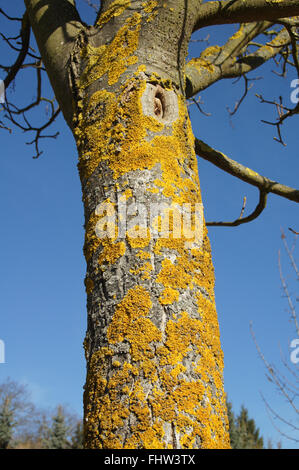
pixel 154 360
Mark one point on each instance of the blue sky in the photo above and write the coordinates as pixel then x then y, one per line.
pixel 42 268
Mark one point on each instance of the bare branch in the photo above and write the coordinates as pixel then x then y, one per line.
pixel 288 296
pixel 275 377
pixel 9 17
pixel 257 211
pixel 242 172
pixel 247 88
pixel 25 38
pixel 273 413
pixel 283 113
pixel 289 252
pixel 285 383
pixel 15 115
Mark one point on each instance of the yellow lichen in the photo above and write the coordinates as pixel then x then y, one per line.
pixel 169 296
pixel 89 285
pixel 143 270
pixel 114 58
pixel 138 237
pixel 116 8
pixel 149 5
pixel 112 251
pixel 172 275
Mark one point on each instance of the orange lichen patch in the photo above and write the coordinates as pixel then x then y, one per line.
pixel 132 309
pixel 238 33
pixel 112 251
pixel 143 254
pixel 169 296
pixel 211 51
pixel 124 392
pixel 196 412
pixel 191 405
pixel 126 195
pixel 173 275
pixel 202 259
pixel 181 334
pixel 210 326
pixel 113 58
pixel 206 59
pixel 116 8
pixel 105 104
pixel 153 190
pixel 149 5
pixel 178 369
pixel 143 270
pixel 271 46
pixel 138 237
pixel 89 285
pixel 158 183
pixel 146 435
pixel 192 267
pixel 101 406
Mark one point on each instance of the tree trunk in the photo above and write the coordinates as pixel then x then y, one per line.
pixel 154 360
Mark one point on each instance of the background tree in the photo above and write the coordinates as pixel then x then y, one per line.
pixel 121 86
pixel 243 432
pixel 57 437
pixel 24 426
pixel 6 424
pixel 16 412
pixel 77 438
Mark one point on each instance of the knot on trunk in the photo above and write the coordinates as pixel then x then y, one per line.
pixel 160 103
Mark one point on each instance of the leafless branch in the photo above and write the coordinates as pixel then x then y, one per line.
pixel 257 211
pixel 14 115
pixel 287 383
pixel 242 172
pixel 247 88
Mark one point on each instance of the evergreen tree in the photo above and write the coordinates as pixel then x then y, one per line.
pixel 233 434
pixel 57 437
pixel 248 433
pixel 77 437
pixel 243 431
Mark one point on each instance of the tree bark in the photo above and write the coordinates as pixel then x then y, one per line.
pixel 154 359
